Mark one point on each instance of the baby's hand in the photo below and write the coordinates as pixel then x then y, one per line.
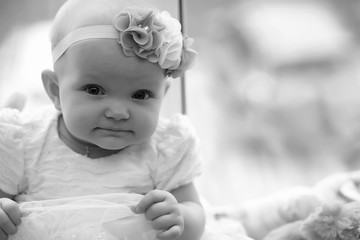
pixel 10 218
pixel 162 209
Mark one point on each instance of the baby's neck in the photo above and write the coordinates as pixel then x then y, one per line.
pixel 84 148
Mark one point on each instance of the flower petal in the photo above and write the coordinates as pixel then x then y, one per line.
pixel 141 36
pixel 121 21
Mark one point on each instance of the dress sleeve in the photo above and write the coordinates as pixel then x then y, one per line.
pixel 178 157
pixel 11 151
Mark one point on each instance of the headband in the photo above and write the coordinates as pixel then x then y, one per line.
pixel 154 36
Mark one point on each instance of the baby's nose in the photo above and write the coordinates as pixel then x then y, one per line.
pixel 117 111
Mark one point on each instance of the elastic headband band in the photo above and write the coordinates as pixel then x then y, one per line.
pixel 83 33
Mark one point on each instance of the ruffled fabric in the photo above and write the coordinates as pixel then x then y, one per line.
pixel 11 151
pixel 208 235
pixel 157 37
pixel 178 161
pixel 100 217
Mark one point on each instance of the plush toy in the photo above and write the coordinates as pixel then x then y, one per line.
pixel 329 210
pixel 331 221
pixel 337 221
pixel 261 216
pixel 338 216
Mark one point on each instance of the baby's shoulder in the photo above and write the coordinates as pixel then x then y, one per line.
pixel 36 119
pixel 175 135
pixel 10 116
pixel 177 127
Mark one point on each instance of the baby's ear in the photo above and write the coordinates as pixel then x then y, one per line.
pixel 51 85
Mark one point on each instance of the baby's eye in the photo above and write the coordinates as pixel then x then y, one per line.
pixel 141 95
pixel 94 90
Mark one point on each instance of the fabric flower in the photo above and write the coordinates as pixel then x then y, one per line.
pixel 155 36
pixel 139 35
pixel 329 222
pixel 170 53
pixel 188 56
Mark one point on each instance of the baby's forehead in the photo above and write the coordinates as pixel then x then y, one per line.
pixel 97 58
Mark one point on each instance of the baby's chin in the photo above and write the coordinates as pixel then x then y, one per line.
pixel 117 144
pixel 114 145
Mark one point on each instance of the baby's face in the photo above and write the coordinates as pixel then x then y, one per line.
pixel 106 98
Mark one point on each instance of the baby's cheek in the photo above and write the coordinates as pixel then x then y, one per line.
pixel 146 125
pixel 78 124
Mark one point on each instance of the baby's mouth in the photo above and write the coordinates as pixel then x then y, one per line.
pixel 114 130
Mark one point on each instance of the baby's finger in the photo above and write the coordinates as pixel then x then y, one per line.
pixel 151 198
pixel 6 224
pixel 11 208
pixel 157 210
pixel 172 233
pixel 167 221
pixel 3 235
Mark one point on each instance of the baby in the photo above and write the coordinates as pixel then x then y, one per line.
pixel 112 60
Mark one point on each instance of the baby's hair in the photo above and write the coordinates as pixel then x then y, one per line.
pixel 80 13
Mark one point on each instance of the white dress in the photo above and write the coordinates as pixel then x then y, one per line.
pixel 65 195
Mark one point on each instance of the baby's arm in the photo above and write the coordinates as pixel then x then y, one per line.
pixel 177 214
pixel 9 215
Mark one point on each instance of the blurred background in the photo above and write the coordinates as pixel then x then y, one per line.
pixel 274 95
